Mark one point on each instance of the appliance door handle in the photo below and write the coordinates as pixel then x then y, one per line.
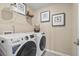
pixel 77 43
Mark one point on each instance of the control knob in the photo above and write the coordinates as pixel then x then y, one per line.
pixel 26 37
pixel 31 36
pixel 2 41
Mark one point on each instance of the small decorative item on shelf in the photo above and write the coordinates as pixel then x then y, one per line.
pixel 36 28
pixel 29 15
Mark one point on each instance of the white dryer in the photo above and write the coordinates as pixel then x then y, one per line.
pixel 19 44
pixel 41 43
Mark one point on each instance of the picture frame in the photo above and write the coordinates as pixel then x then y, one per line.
pixel 58 19
pixel 19 8
pixel 45 16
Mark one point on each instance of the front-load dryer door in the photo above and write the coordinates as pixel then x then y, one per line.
pixel 42 43
pixel 28 49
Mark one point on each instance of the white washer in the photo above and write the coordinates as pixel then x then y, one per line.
pixel 41 43
pixel 19 44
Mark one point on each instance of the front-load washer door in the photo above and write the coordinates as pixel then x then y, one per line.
pixel 28 49
pixel 42 43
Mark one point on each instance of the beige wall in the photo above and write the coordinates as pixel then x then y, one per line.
pixel 75 28
pixel 58 38
pixel 19 21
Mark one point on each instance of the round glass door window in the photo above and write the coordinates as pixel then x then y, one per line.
pixel 28 49
pixel 43 43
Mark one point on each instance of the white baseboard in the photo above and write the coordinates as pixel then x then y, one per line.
pixel 57 53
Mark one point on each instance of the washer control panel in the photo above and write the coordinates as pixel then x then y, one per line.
pixel 15 40
pixel 19 39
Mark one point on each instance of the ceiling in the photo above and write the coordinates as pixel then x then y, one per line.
pixel 36 6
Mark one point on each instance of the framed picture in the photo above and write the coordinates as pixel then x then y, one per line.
pixel 45 16
pixel 19 8
pixel 58 19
